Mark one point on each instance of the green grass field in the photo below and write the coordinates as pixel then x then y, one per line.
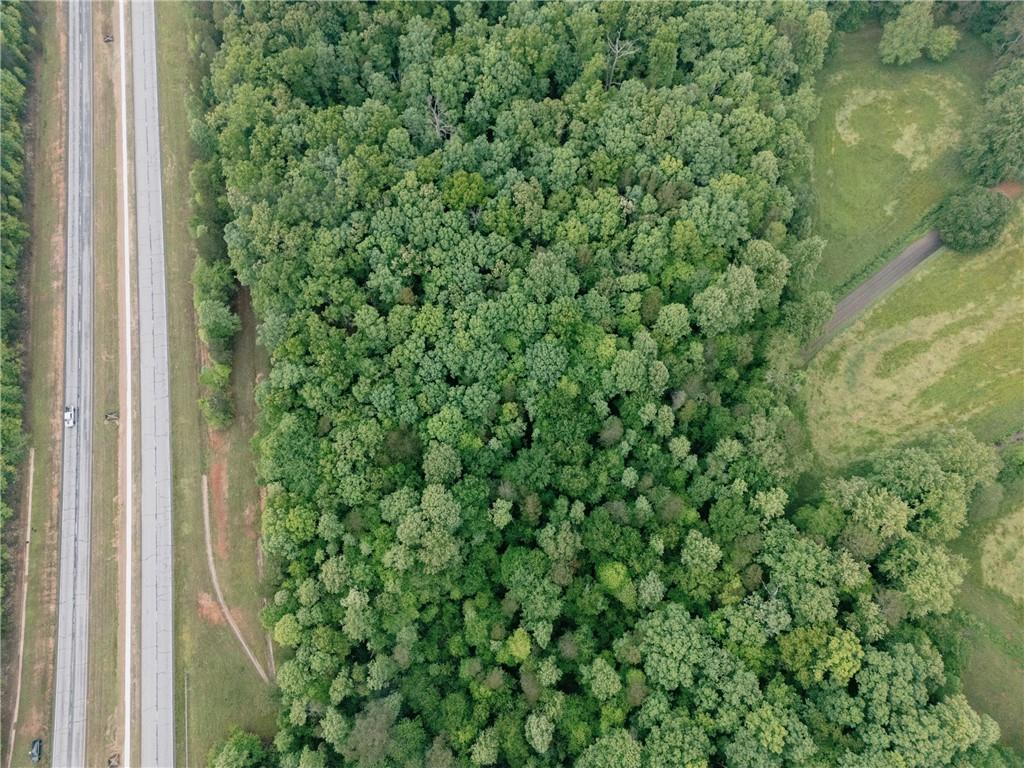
pixel 944 348
pixel 995 627
pixel 884 148
pixel 214 679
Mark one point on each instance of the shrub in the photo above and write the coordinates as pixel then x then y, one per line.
pixel 973 219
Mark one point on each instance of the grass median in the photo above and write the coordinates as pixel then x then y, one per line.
pixel 103 713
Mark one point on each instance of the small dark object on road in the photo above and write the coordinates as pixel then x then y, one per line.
pixel 108 38
pixel 36 753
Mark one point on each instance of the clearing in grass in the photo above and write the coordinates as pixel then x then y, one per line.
pixel 1002 556
pixel 884 148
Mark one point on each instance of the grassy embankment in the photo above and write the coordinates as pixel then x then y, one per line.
pixel 884 149
pixel 944 347
pixel 994 673
pixel 43 386
pixel 222 688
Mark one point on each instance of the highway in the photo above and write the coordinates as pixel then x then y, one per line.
pixel 156 591
pixel 68 750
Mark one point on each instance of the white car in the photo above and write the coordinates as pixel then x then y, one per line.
pixel 70 415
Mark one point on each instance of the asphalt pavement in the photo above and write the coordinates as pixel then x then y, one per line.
pixel 156 590
pixel 68 748
pixel 872 289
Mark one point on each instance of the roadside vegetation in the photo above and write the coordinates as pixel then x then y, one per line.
pixel 973 219
pixel 532 280
pixel 216 685
pixel 214 284
pixel 39 335
pixel 18 32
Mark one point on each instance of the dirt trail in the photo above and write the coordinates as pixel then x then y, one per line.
pixel 872 289
pixel 216 585
pixel 24 604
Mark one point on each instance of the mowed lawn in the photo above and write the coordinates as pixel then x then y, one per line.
pixel 884 148
pixel 944 348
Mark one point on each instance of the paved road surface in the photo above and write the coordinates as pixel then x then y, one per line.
pixel 68 749
pixel 868 292
pixel 156 669
pixel 872 289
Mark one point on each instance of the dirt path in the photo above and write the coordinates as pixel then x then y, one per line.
pixel 872 289
pixel 216 585
pixel 24 604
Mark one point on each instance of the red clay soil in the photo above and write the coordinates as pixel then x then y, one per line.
pixel 219 488
pixel 209 609
pixel 1012 189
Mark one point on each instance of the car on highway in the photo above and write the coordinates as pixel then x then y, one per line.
pixel 70 415
pixel 36 753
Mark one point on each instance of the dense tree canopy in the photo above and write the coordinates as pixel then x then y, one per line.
pixel 17 34
pixel 972 219
pixel 994 148
pixel 913 33
pixel 532 278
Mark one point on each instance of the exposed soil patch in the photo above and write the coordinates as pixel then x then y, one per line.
pixel 208 609
pixel 219 489
pixel 1012 189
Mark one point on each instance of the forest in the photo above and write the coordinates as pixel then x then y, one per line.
pixel 18 34
pixel 534 280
